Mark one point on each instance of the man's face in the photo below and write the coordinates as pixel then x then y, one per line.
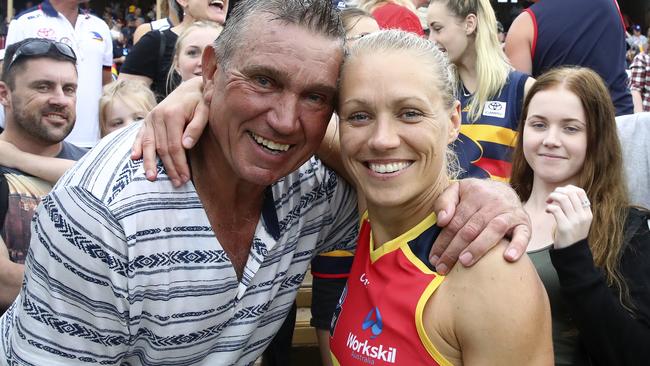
pixel 270 107
pixel 44 98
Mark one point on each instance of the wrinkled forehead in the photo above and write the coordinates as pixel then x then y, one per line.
pixel 281 44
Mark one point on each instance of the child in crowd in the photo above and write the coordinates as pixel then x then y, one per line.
pixel 123 102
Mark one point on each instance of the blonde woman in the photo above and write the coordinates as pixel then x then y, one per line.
pixel 189 47
pixel 397 309
pixel 490 91
pixel 395 14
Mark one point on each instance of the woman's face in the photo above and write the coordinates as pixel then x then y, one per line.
pixel 394 128
pixel 189 56
pixel 363 26
pixel 555 136
pixel 449 32
pixel 120 114
pixel 212 10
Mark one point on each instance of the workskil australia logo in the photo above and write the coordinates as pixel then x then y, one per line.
pixel 369 352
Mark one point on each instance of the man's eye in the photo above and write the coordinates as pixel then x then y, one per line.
pixel 263 81
pixel 316 98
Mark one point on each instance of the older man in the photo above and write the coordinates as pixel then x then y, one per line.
pixel 124 271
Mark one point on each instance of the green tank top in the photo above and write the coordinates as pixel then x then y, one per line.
pixel 565 335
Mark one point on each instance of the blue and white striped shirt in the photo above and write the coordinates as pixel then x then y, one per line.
pixel 123 271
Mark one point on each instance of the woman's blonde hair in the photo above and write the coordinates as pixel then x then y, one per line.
pixel 200 24
pixel 601 175
pixel 132 92
pixel 492 66
pixel 371 5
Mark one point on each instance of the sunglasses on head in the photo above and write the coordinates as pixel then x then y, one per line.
pixel 39 47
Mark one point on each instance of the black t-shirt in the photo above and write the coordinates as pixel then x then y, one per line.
pixel 144 60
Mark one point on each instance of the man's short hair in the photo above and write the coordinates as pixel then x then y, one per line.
pixel 317 16
pixel 11 67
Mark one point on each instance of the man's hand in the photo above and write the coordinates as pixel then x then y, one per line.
pixel 475 214
pixel 163 127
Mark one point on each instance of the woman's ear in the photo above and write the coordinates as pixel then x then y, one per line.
pixel 454 122
pixel 471 21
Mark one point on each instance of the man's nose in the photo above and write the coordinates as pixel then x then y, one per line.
pixel 284 116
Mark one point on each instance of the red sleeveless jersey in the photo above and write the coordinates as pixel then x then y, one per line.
pixel 378 320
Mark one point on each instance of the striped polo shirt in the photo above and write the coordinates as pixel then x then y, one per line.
pixel 126 271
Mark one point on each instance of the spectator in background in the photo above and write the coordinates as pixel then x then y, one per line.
pixel 590 247
pixel 89 36
pixel 501 34
pixel 38 92
pixel 189 48
pixel 396 14
pixel 122 103
pixel 490 91
pixel 119 49
pixel 587 33
pixel 150 59
pixel 640 80
pixel 172 15
pixel 128 30
pixel 637 38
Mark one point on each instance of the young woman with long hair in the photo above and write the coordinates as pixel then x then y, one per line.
pixel 490 91
pixel 589 246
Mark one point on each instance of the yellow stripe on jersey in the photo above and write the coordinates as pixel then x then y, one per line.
pixel 337 253
pixel 419 323
pixel 403 239
pixel 488 133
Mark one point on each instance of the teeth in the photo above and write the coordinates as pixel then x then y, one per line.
pixel 53 116
pixel 270 144
pixel 388 168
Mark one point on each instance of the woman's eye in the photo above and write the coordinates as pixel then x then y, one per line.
pixel 357 117
pixel 411 115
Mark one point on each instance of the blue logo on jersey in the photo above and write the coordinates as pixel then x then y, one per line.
pixel 97 37
pixel 374 323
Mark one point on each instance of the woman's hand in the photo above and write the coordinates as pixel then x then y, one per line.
pixel 572 211
pixel 163 132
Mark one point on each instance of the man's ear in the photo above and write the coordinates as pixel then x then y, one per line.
pixel 454 121
pixel 5 94
pixel 209 72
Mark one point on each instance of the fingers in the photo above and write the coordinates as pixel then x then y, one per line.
pixel 520 237
pixel 461 230
pixel 148 148
pixel 571 209
pixel 136 148
pixel 487 212
pixel 196 126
